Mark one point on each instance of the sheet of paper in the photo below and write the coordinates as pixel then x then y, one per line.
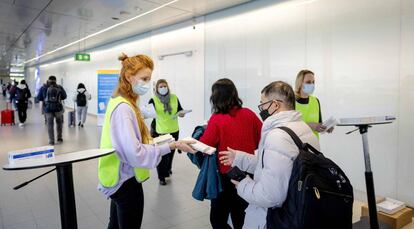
pixel 166 138
pixel 182 112
pixel 199 146
pixel 329 123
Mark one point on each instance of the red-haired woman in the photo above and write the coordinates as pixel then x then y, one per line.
pixel 121 173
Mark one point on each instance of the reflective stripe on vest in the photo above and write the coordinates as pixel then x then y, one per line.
pixel 108 167
pixel 165 122
pixel 310 111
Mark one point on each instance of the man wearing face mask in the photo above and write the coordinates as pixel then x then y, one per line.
pixel 307 104
pixel 272 166
pixel 166 106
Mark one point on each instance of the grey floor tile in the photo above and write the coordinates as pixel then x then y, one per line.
pixel 157 224
pixel 90 222
pixel 17 218
pixel 31 224
pixel 48 222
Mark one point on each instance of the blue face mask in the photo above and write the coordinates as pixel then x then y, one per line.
pixel 163 90
pixel 308 88
pixel 141 88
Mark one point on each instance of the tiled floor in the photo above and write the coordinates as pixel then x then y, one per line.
pixel 36 205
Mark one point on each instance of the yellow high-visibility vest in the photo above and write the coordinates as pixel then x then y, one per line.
pixel 108 167
pixel 165 122
pixel 310 111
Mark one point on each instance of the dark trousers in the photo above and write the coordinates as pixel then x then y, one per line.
pixel 165 165
pixel 50 117
pixel 127 206
pixel 22 111
pixel 227 203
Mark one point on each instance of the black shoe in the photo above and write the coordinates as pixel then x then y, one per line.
pixel 79 123
pixel 163 182
pixel 51 143
pixel 60 141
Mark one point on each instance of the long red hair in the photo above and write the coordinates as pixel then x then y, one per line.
pixel 130 67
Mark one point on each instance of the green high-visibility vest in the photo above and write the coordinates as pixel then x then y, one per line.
pixel 165 122
pixel 108 167
pixel 310 111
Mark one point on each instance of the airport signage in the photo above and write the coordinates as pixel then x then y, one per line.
pixel 82 57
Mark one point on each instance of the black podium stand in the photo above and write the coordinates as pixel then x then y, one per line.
pixel 63 164
pixel 363 124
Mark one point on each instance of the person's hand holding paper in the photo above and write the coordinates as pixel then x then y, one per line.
pixel 181 113
pixel 329 125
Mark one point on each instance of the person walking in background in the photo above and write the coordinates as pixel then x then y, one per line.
pixel 81 99
pixel 43 102
pixel 307 104
pixel 4 89
pixel 52 95
pixel 166 106
pixel 230 125
pixel 12 91
pixel 21 97
pixel 122 173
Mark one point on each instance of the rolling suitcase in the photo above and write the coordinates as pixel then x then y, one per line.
pixel 72 118
pixel 7 116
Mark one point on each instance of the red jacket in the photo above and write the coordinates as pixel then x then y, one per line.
pixel 239 129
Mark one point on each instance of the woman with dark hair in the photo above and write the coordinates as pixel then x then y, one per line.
pixel 81 98
pixel 230 126
pixel 122 173
pixel 167 107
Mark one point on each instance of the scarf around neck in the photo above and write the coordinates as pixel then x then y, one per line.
pixel 165 99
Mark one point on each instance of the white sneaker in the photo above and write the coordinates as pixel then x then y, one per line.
pixel 21 124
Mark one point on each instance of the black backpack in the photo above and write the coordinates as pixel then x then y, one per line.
pixel 320 195
pixel 81 99
pixel 53 99
pixel 21 94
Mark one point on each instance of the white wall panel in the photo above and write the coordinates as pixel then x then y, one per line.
pixel 183 73
pixel 405 160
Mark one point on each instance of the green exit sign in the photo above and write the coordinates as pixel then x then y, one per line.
pixel 82 57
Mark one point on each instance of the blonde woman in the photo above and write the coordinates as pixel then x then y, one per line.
pixel 121 174
pixel 307 104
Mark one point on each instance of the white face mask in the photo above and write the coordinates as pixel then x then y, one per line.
pixel 308 88
pixel 163 90
pixel 141 88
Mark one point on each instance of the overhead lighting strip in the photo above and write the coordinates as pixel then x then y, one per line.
pixel 104 30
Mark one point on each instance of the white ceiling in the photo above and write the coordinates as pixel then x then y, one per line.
pixel 29 28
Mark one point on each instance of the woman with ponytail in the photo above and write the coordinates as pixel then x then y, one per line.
pixel 122 173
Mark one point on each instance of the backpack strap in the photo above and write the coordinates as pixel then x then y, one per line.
pixel 295 138
pixel 298 142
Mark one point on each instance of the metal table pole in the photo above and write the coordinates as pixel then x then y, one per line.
pixel 369 179
pixel 66 196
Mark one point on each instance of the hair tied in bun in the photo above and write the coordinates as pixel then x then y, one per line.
pixel 122 57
